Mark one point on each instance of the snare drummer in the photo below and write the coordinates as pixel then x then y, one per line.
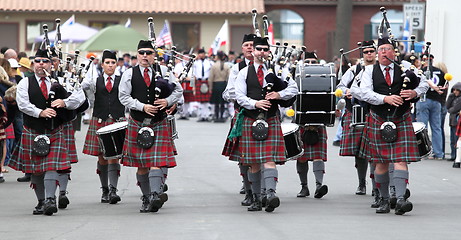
pixel 350 139
pixel 147 115
pixel 257 153
pixel 381 87
pixel 42 123
pixel 107 110
pixel 315 150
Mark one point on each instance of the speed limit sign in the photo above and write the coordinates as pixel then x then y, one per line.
pixel 415 13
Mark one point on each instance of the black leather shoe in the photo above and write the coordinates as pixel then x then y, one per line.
pixel 25 178
pixel 165 187
pixel 39 208
pixel 361 190
pixel 145 204
pixel 154 202
pixel 383 206
pixel 376 199
pixel 163 198
pixel 248 199
pixel 256 205
pixel 272 201
pixel 242 190
pixel 113 197
pixel 105 195
pixel 50 206
pixel 403 206
pixel 304 191
pixel 63 201
pixel 407 194
pixel 456 165
pixel 321 191
pixel 392 202
pixel 2 180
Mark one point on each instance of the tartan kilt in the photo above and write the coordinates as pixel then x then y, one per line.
pixel 170 130
pixel 229 145
pixel 188 97
pixel 404 149
pixel 161 154
pixel 68 131
pixel 250 151
pixel 23 160
pixel 199 96
pixel 91 146
pixel 350 139
pixel 318 150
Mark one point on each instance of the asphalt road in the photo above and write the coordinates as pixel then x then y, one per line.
pixel 204 202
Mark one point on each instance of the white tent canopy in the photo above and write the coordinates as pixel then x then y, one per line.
pixel 71 33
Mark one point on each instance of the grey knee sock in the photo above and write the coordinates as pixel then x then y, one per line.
pixel 164 177
pixel 50 181
pixel 400 181
pixel 244 174
pixel 271 177
pixel 255 181
pixel 391 180
pixel 318 167
pixel 143 182
pixel 302 168
pixel 63 179
pixel 362 166
pixel 263 183
pixel 103 175
pixel 382 183
pixel 372 175
pixel 113 171
pixel 38 186
pixel 155 180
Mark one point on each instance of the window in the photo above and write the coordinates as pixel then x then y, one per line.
pixel 186 35
pixel 288 26
pixel 34 29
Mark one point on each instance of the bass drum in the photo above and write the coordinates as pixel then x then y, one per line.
pixel 293 143
pixel 111 139
pixel 315 102
pixel 422 137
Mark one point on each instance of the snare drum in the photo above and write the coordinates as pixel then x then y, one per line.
pixel 422 137
pixel 111 139
pixel 315 102
pixel 172 125
pixel 358 115
pixel 293 143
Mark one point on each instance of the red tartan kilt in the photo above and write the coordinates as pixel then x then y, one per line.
pixel 22 158
pixel 404 149
pixel 318 150
pixel 458 128
pixel 350 139
pixel 188 97
pixel 200 97
pixel 229 145
pixel 91 146
pixel 68 131
pixel 161 154
pixel 251 151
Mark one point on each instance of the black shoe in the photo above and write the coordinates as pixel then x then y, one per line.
pixel 263 200
pixel 248 199
pixel 154 202
pixel 304 191
pixel 392 202
pixel 456 165
pixel 25 178
pixel 2 180
pixel 403 206
pixel 336 143
pixel 256 205
pixel 242 190
pixel 376 198
pixel 39 208
pixel 113 197
pixel 321 191
pixel 383 206
pixel 145 204
pixel 407 194
pixel 63 201
pixel 361 190
pixel 105 195
pixel 163 198
pixel 50 206
pixel 165 187
pixel 272 201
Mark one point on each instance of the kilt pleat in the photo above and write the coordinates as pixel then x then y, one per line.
pixel 68 131
pixel 228 149
pixel 161 154
pixel 251 151
pixel 91 146
pixel 351 137
pixel 404 149
pixel 318 150
pixel 22 158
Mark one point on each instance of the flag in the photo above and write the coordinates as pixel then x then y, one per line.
pixel 221 39
pixel 164 37
pixel 270 33
pixel 128 23
pixel 406 35
pixel 69 21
